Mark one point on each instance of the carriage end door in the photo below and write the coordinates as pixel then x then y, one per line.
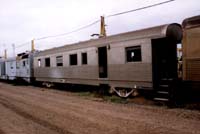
pixel 102 60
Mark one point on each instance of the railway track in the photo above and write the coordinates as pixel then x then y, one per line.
pixel 27 109
pixel 55 128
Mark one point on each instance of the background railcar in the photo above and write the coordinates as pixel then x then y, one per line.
pixel 191 58
pixel 191 49
pixel 135 60
pixel 24 67
pixel 2 69
pixel 10 65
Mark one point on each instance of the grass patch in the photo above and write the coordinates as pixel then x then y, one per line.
pixel 115 99
pixel 85 94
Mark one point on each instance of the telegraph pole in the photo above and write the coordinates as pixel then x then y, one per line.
pixel 13 45
pixel 102 28
pixel 5 53
pixel 32 46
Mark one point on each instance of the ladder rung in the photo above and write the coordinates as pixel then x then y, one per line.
pixel 167 79
pixel 161 99
pixel 164 85
pixel 162 92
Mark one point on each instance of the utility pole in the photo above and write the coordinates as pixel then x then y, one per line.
pixel 0 52
pixel 32 46
pixel 5 53
pixel 13 45
pixel 102 28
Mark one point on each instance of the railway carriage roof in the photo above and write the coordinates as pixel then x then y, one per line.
pixel 191 22
pixel 10 59
pixel 152 33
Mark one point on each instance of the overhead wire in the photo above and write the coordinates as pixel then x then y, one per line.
pixel 76 30
pixel 95 22
pixel 112 15
pixel 137 9
pixel 23 44
pixel 45 37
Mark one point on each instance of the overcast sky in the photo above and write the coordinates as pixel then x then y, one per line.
pixel 23 20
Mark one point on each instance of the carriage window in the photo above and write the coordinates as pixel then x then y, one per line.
pixel 59 61
pixel 39 62
pixel 11 65
pixel 47 62
pixel 84 58
pixel 17 65
pixel 133 54
pixel 73 59
pixel 24 63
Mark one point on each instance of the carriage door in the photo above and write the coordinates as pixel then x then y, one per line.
pixel 164 60
pixel 3 69
pixel 102 57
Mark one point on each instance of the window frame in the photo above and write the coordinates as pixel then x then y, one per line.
pixel 24 63
pixel 18 65
pixel 132 48
pixel 70 60
pixel 82 58
pixel 45 63
pixel 11 65
pixel 39 62
pixel 59 63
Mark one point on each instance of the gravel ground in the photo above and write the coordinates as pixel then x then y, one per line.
pixel 34 110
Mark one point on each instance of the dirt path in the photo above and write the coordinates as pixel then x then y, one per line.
pixel 33 110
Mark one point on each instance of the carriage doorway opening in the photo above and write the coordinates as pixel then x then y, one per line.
pixel 103 63
pixel 164 60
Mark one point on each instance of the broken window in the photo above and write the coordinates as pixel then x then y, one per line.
pixel 84 58
pixel 73 59
pixel 47 62
pixel 39 62
pixel 59 61
pixel 133 54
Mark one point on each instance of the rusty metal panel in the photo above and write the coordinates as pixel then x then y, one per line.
pixel 193 69
pixel 191 54
pixel 191 43
pixel 191 22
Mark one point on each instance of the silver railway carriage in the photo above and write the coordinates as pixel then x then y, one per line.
pixel 2 69
pixel 10 65
pixel 135 60
pixel 19 68
pixel 24 67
